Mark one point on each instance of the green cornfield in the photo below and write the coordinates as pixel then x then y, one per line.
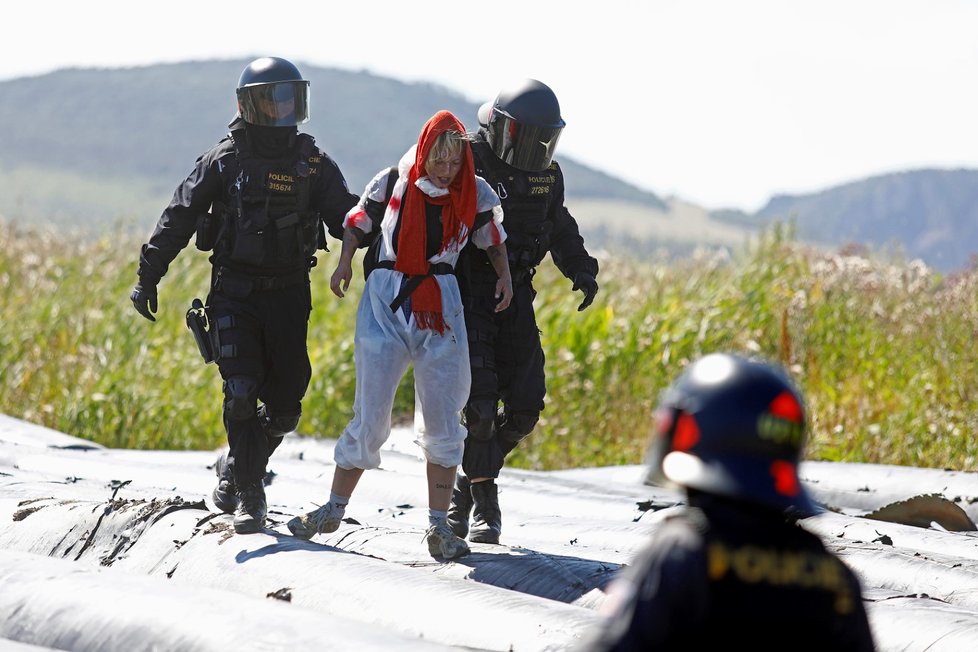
pixel 884 351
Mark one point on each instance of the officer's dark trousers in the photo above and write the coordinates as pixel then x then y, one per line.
pixel 263 357
pixel 507 362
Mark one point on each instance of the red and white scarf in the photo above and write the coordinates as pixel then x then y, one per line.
pixel 457 216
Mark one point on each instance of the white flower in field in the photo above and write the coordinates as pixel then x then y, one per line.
pixel 878 309
pixel 799 301
pixel 31 260
pixel 917 275
pixel 858 272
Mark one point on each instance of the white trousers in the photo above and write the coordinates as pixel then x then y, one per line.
pixel 385 344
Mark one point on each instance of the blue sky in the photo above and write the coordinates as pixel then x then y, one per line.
pixel 719 103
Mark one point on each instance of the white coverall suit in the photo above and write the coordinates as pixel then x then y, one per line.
pixel 387 342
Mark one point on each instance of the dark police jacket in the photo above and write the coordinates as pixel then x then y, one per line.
pixel 733 577
pixel 260 215
pixel 535 219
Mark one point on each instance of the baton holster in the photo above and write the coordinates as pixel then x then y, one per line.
pixel 197 323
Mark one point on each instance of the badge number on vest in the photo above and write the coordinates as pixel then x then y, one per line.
pixel 280 182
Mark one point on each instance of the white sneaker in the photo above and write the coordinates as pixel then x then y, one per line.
pixel 442 542
pixel 322 519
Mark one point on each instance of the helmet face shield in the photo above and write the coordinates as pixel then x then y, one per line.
pixel 524 146
pixel 277 104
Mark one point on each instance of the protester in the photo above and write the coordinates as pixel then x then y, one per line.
pixel 735 568
pixel 411 313
pixel 259 200
pixel 513 151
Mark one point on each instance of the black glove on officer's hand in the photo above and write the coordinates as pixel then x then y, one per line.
pixel 144 300
pixel 587 284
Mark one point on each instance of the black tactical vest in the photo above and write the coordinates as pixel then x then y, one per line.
pixel 526 199
pixel 267 225
pixel 777 574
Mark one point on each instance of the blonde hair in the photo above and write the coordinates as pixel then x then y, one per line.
pixel 448 145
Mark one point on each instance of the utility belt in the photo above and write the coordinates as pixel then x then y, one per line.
pixel 487 277
pixel 207 331
pixel 238 285
pixel 413 281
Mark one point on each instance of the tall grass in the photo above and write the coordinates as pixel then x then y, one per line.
pixel 883 350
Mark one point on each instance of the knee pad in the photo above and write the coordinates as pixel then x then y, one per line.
pixel 480 420
pixel 517 426
pixel 278 425
pixel 240 397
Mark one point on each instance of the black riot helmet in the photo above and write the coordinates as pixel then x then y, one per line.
pixel 524 124
pixel 732 426
pixel 272 93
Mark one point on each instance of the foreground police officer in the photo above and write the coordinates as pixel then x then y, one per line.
pixel 733 570
pixel 514 151
pixel 259 200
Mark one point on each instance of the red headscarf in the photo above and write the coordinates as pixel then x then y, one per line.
pixel 458 208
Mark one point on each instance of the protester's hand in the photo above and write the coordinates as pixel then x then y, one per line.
pixel 339 283
pixel 588 285
pixel 144 300
pixel 504 292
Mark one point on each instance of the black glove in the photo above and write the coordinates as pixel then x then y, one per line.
pixel 586 283
pixel 144 300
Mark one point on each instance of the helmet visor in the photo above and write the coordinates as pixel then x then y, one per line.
pixel 525 147
pixel 279 104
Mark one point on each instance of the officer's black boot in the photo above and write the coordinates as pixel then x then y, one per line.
pixel 250 515
pixel 225 494
pixel 487 521
pixel 458 513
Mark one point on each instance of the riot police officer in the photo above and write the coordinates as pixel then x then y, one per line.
pixel 261 201
pixel 513 151
pixel 734 568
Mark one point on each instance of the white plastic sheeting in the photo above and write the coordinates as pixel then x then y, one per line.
pixel 868 487
pixel 80 520
pixel 66 606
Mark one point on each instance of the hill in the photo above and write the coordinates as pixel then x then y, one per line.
pixel 930 214
pixel 96 146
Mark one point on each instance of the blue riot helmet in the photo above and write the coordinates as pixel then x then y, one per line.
pixel 272 93
pixel 732 426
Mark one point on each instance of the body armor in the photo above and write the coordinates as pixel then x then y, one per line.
pixel 526 199
pixel 266 227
